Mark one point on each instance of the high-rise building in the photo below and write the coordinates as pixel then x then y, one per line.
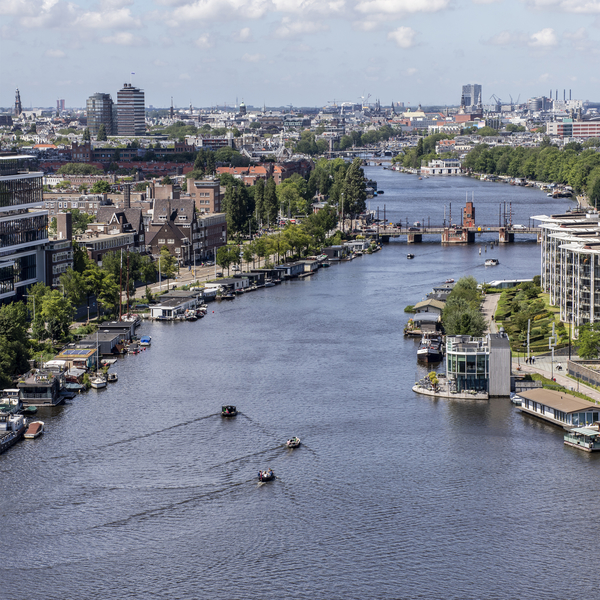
pixel 471 96
pixel 100 111
pixel 131 111
pixel 18 105
pixel 60 105
pixel 23 234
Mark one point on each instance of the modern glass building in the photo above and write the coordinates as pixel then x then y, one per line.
pixel 131 111
pixel 23 231
pixel 101 111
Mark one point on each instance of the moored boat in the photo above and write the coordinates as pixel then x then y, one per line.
pixel 145 340
pixel 12 429
pixel 228 411
pixel 267 475
pixel 34 430
pixel 293 442
pixel 98 382
pixel 430 348
pixel 112 377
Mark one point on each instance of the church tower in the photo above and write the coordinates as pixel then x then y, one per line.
pixel 18 105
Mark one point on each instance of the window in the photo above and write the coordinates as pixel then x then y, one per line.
pixel 170 241
pixel 161 241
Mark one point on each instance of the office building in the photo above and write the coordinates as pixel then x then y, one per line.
pixel 23 234
pixel 471 96
pixel 131 111
pixel 100 111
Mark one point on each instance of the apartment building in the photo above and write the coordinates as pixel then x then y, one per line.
pixel 131 111
pixel 23 227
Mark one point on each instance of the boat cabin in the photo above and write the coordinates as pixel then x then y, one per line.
pixel 336 252
pixel 41 388
pixel 291 270
pixel 583 438
pixel 168 310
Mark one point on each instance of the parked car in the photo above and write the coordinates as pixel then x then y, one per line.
pixel 519 227
pixel 209 263
pixel 141 307
pixel 235 268
pixel 414 229
pixel 219 274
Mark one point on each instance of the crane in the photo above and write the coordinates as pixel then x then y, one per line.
pixel 497 101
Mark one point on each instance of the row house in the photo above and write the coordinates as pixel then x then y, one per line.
pixel 88 203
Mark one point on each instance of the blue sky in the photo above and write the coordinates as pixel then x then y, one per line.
pixel 305 52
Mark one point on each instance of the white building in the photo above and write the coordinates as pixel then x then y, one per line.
pixel 450 166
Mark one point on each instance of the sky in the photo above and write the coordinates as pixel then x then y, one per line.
pixel 300 52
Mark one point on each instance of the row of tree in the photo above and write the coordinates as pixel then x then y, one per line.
pixel 575 165
pixel 462 315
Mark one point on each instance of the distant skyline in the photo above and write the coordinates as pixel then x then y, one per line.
pixel 301 52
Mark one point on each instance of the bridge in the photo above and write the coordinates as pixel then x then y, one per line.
pixel 465 233
pixel 450 234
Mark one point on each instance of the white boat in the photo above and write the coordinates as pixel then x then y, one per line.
pixel 492 262
pixel 112 377
pixel 293 442
pixel 35 429
pixel 98 382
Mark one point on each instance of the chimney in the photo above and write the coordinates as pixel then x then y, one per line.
pixel 64 227
pixel 127 197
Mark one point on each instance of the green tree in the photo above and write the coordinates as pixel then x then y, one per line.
pixel 74 286
pixel 259 197
pixel 14 344
pixel 101 187
pixel 589 341
pixel 223 257
pixel 270 201
pixel 80 220
pixel 79 169
pixel 57 313
pixel 102 137
pixel 168 264
pixel 355 189
pixel 86 135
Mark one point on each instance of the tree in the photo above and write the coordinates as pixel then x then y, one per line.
pixel 14 343
pixel 74 286
pixel 101 187
pixel 102 137
pixel 223 257
pixel 86 135
pixel 79 169
pixel 589 341
pixel 166 180
pixel 259 197
pixel 270 201
pixel 80 220
pixel 168 264
pixel 57 313
pixel 355 189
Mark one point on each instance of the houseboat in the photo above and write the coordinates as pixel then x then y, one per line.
pixel 12 429
pixel 559 408
pixel 583 438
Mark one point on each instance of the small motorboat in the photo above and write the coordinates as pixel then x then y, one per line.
pixel 145 340
pixel 28 411
pixel 492 262
pixel 293 442
pixel 35 429
pixel 228 296
pixel 228 411
pixel 269 283
pixel 98 382
pixel 449 281
pixel 409 256
pixel 112 377
pixel 267 475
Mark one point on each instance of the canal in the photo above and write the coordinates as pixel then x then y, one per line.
pixel 144 491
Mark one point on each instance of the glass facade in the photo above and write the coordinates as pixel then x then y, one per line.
pixel 15 192
pixel 468 363
pixel 24 230
pixel 7 279
pixel 13 165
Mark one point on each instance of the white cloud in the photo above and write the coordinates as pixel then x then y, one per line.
pixel 243 35
pixel 366 25
pixel 123 38
pixel 53 53
pixel 544 38
pixel 411 71
pixel 306 6
pixel 398 7
pixel 119 18
pixel 508 38
pixel 185 76
pixel 570 6
pixel 252 57
pixel 216 9
pixel 290 28
pixel 403 36
pixel 203 42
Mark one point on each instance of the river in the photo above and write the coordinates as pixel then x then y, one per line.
pixel 144 491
